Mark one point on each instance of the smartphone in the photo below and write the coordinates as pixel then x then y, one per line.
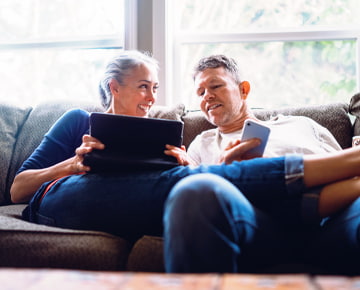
pixel 253 129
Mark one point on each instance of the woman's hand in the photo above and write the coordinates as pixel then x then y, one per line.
pixel 28 182
pixel 179 153
pixel 238 151
pixel 88 144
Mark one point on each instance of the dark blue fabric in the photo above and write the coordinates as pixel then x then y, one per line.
pixel 210 226
pixel 131 205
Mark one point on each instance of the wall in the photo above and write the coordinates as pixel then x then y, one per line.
pixel 145 25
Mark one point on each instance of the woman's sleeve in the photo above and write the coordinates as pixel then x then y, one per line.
pixel 60 142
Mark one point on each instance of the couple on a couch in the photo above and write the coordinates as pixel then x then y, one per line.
pixel 246 213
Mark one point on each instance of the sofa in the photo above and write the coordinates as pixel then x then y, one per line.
pixel 23 244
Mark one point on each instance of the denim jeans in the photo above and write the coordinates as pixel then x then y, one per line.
pixel 210 225
pixel 131 205
pixel 336 244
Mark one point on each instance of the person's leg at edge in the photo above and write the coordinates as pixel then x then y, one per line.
pixel 336 245
pixel 209 226
pixel 326 168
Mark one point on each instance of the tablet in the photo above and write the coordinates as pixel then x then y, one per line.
pixel 132 143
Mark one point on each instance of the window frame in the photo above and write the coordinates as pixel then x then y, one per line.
pixel 128 40
pixel 125 38
pixel 168 41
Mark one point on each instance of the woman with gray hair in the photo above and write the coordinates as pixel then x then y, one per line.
pixel 129 87
pixel 119 69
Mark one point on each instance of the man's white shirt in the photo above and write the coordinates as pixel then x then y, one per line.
pixel 288 134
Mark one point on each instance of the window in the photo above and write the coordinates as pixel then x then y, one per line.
pixel 52 50
pixel 301 53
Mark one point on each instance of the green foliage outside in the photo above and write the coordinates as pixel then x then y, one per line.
pixel 283 73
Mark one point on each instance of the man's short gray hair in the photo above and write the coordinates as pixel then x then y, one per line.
pixel 216 61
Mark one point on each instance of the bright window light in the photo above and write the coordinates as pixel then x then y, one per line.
pixel 56 50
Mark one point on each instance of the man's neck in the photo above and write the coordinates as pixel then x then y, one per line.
pixel 237 124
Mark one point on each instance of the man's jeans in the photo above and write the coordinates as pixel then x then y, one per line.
pixel 211 226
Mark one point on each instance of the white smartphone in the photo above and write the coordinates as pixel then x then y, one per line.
pixel 253 129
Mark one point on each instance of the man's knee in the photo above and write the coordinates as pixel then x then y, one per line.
pixel 196 191
pixel 201 197
pixel 194 186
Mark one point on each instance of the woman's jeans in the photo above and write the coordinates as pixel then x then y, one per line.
pixel 131 205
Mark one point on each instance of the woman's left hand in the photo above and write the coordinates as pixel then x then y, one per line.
pixel 179 153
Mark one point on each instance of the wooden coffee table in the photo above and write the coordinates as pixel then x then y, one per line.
pixel 40 279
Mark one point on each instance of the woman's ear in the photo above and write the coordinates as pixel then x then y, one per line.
pixel 114 87
pixel 244 89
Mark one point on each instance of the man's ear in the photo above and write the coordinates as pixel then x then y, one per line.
pixel 244 89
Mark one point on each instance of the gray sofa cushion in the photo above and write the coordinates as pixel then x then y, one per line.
pixel 11 120
pixel 354 109
pixel 25 244
pixel 335 117
pixel 147 255
pixel 173 113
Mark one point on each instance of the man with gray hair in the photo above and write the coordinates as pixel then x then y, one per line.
pixel 223 100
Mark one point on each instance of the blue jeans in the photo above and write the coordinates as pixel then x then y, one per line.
pixel 131 205
pixel 336 244
pixel 211 226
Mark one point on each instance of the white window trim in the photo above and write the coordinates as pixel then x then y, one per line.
pixel 263 36
pixel 131 27
pixel 127 40
pixel 162 31
pixel 66 43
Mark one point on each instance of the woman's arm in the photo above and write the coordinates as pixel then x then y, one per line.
pixel 26 183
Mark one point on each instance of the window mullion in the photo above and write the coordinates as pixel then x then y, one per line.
pixel 193 37
pixel 84 43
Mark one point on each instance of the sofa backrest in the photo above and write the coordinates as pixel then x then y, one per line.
pixel 335 117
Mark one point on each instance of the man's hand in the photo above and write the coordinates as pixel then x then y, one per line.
pixel 179 153
pixel 238 151
pixel 88 144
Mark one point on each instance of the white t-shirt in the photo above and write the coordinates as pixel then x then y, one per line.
pixel 289 134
